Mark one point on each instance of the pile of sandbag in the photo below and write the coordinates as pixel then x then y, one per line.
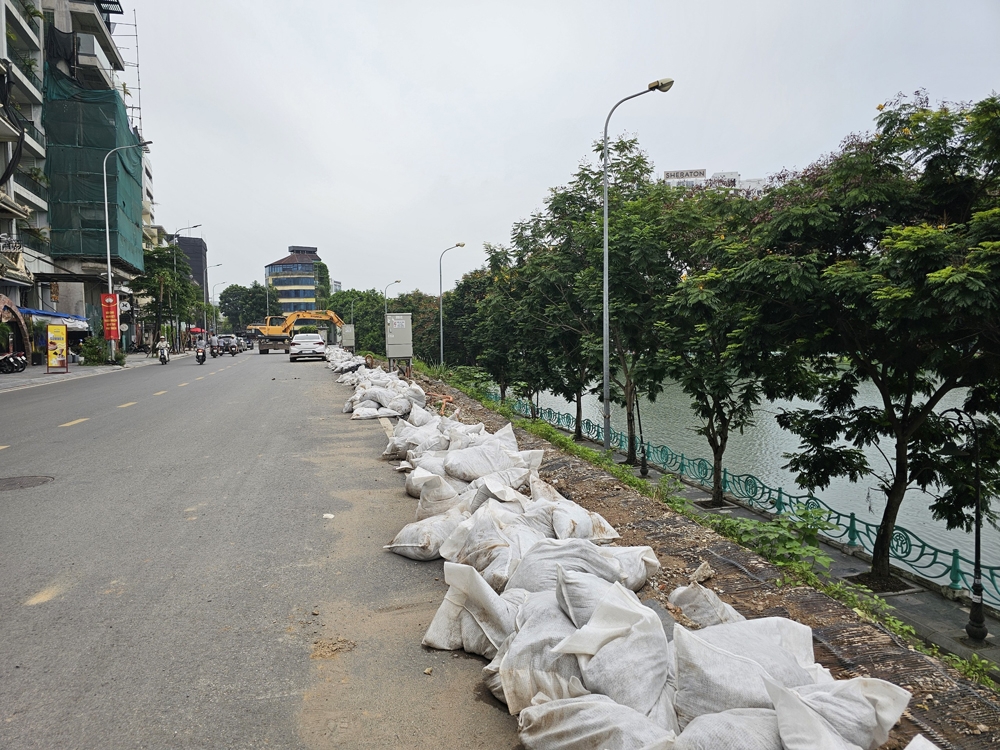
pixel 537 587
pixel 378 393
pixel 340 360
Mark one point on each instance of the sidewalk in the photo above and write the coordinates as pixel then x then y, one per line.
pixel 935 619
pixel 34 376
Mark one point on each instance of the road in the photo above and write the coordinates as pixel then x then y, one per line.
pixel 178 584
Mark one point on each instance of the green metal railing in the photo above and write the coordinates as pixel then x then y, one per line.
pixel 907 550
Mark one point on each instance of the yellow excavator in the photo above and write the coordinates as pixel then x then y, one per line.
pixel 276 331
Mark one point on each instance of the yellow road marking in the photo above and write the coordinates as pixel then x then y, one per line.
pixel 58 587
pixel 75 421
pixel 211 373
pixel 130 403
pixel 159 393
pixel 4 446
pixel 201 378
pixel 182 385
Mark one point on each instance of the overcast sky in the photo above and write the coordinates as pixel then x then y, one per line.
pixel 384 132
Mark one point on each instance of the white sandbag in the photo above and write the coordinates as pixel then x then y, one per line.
pixel 472 463
pixel 589 722
pixel 420 416
pixel 703 606
pixel 921 743
pixel 400 405
pixel 365 414
pixel 387 412
pixel 416 395
pixel 348 407
pixel 367 404
pixel 472 617
pixel 436 497
pixel 841 715
pixel 505 436
pixel 530 666
pixel 532 459
pixel 422 540
pixel 383 396
pixel 578 594
pixel 637 564
pixel 556 516
pixel 622 653
pixel 484 486
pixel 724 666
pixel 539 568
pixel 520 540
pixel 743 728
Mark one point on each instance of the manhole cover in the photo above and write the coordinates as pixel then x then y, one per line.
pixel 22 483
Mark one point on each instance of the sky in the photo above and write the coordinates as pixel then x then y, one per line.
pixel 384 132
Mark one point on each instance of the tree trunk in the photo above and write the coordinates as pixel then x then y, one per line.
pixel 893 499
pixel 630 458
pixel 578 432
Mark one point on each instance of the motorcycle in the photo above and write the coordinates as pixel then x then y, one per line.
pixel 199 355
pixel 164 357
pixel 11 362
pixel 232 349
pixel 215 352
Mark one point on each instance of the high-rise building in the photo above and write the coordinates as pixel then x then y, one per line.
pixel 196 252
pixel 293 278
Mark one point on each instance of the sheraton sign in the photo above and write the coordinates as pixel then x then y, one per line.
pixel 685 174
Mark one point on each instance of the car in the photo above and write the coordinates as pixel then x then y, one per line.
pixel 227 339
pixel 307 345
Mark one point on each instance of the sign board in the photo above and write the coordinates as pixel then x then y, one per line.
pixel 57 352
pixel 109 307
pixel 685 174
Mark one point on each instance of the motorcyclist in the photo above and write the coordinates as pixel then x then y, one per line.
pixel 162 345
pixel 200 343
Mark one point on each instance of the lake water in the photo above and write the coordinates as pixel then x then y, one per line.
pixel 669 421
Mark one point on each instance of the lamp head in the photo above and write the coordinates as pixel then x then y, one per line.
pixel 663 84
pixel 397 281
pixel 459 244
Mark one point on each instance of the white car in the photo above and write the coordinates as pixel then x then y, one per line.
pixel 307 345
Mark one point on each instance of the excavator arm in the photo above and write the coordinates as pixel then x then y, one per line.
pixel 296 317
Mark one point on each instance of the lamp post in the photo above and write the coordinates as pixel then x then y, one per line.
pixel 208 299
pixel 215 312
pixel 663 84
pixel 385 292
pixel 352 310
pixel 177 313
pixel 976 626
pixel 107 221
pixel 441 298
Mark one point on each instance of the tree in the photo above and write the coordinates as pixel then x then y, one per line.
pixel 166 280
pixel 881 261
pixel 369 323
pixel 321 274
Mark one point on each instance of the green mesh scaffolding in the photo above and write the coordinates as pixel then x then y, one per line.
pixel 81 127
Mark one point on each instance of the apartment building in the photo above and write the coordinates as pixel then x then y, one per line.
pixel 293 278
pixel 65 69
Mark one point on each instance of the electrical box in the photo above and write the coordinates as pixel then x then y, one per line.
pixel 347 336
pixel 398 336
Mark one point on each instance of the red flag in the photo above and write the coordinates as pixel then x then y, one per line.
pixel 109 305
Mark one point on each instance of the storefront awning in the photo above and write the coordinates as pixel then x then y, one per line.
pixel 72 322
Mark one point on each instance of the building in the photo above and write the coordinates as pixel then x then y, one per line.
pixel 698 178
pixel 293 278
pixel 196 252
pixel 65 66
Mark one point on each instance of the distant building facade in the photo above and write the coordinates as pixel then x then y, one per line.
pixel 196 252
pixel 293 278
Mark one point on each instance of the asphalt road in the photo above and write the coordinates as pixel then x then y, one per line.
pixel 177 584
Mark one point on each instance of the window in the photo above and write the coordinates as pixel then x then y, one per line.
pixel 293 281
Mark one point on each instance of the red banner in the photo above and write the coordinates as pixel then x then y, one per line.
pixel 109 305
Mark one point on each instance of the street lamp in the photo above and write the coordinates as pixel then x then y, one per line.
pixel 441 296
pixel 107 221
pixel 663 84
pixel 215 311
pixel 177 313
pixel 976 626
pixel 385 292
pixel 204 316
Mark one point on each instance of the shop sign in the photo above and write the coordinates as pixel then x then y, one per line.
pixel 58 357
pixel 109 306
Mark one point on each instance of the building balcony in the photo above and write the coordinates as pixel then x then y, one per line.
pixel 93 66
pixel 29 85
pixel 25 25
pixel 34 192
pixel 88 18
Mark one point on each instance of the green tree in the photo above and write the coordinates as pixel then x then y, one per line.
pixel 166 280
pixel 321 275
pixel 881 263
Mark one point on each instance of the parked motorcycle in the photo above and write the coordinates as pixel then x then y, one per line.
pixel 199 355
pixel 164 358
pixel 13 362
